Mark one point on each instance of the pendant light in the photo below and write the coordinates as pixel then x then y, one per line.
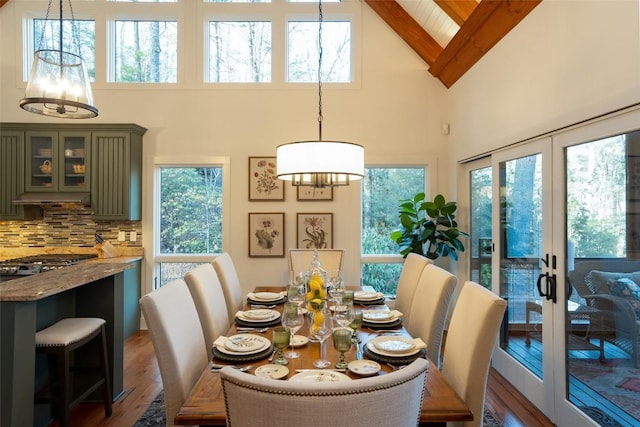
pixel 58 85
pixel 320 163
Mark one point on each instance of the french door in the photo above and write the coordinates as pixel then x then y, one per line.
pixel 562 207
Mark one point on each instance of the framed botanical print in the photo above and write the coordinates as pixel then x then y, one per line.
pixel 266 234
pixel 315 230
pixel 308 193
pixel 263 184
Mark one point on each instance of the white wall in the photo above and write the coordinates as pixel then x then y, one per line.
pixel 566 62
pixel 396 114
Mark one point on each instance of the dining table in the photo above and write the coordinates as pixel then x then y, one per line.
pixel 205 404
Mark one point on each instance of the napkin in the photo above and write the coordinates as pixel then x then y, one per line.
pixel 419 343
pixel 219 342
pixel 394 314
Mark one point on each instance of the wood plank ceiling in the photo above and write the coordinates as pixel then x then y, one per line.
pixel 449 35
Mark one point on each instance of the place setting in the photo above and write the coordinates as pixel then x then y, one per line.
pixel 257 318
pixel 266 298
pixel 394 349
pixel 381 319
pixel 241 348
pixel 368 298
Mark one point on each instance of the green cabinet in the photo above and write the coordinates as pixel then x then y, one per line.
pixel 103 159
pixel 116 189
pixel 11 173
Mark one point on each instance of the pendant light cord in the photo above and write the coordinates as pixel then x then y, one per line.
pixel 320 70
pixel 74 28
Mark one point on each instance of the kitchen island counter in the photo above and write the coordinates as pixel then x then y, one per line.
pixel 39 286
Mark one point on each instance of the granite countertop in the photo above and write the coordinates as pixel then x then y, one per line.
pixel 42 285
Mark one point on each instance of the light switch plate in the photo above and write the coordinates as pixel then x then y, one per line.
pixel 132 236
pixel 120 236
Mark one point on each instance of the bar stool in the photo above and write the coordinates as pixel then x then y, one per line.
pixel 60 339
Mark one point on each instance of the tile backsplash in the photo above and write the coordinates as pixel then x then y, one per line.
pixel 62 227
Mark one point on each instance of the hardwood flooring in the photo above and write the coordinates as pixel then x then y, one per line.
pixel 142 383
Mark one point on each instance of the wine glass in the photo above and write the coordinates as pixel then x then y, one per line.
pixel 293 319
pixel 321 329
pixel 343 314
pixel 336 286
pixel 356 323
pixel 280 342
pixel 342 343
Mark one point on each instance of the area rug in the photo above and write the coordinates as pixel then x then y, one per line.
pixel 154 416
pixel 615 380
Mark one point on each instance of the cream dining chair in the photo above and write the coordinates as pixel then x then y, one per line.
pixel 470 341
pixel 393 399
pixel 430 308
pixel 208 297
pixel 228 275
pixel 412 268
pixel 330 259
pixel 177 340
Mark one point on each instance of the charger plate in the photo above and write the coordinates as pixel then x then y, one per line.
pixel 280 300
pixel 383 325
pixel 403 360
pixel 369 302
pixel 241 357
pixel 241 322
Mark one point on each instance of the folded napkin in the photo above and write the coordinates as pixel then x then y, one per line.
pixel 393 314
pixel 219 342
pixel 419 343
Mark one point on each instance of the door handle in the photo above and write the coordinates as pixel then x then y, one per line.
pixel 549 286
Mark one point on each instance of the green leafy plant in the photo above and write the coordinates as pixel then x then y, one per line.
pixel 428 228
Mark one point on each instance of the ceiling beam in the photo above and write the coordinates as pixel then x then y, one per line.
pixel 458 10
pixel 487 25
pixel 2 2
pixel 407 28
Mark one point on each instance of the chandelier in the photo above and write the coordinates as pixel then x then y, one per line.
pixel 58 85
pixel 320 163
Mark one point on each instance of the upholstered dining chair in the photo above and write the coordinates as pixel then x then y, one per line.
pixel 430 308
pixel 330 259
pixel 208 297
pixel 178 341
pixel 393 399
pixel 228 275
pixel 412 268
pixel 470 341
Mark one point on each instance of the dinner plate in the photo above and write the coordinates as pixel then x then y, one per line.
pixel 364 368
pixel 244 344
pixel 320 376
pixel 299 341
pixel 398 346
pixel 378 315
pixel 272 371
pixel 265 296
pixel 381 322
pixel 259 315
pixel 367 295
pixel 379 301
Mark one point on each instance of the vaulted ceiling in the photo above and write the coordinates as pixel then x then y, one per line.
pixel 449 35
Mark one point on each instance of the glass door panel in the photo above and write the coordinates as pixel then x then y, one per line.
pixel 74 149
pixel 603 272
pixel 41 158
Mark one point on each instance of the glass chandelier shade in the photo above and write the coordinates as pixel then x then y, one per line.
pixel 58 85
pixel 320 163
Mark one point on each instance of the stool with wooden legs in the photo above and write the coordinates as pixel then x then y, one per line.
pixel 60 339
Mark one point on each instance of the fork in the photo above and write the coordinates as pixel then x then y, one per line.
pixel 259 306
pixel 248 329
pixel 216 367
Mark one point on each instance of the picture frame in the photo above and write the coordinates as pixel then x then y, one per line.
pixel 266 234
pixel 263 184
pixel 309 193
pixel 314 230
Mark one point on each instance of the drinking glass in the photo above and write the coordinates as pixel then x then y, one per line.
pixel 321 329
pixel 356 323
pixel 343 314
pixel 336 286
pixel 280 342
pixel 342 343
pixel 293 319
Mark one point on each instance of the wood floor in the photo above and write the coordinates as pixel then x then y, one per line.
pixel 142 383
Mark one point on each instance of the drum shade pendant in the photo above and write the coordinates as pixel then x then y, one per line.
pixel 320 163
pixel 58 85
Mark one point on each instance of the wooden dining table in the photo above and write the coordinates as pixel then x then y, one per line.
pixel 205 405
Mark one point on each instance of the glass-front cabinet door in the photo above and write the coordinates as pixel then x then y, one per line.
pixel 57 161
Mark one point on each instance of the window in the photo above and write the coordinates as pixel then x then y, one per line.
pixel 382 189
pixel 46 33
pixel 239 52
pixel 146 51
pixel 480 240
pixel 302 55
pixel 190 209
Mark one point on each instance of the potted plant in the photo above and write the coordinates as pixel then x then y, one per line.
pixel 428 228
